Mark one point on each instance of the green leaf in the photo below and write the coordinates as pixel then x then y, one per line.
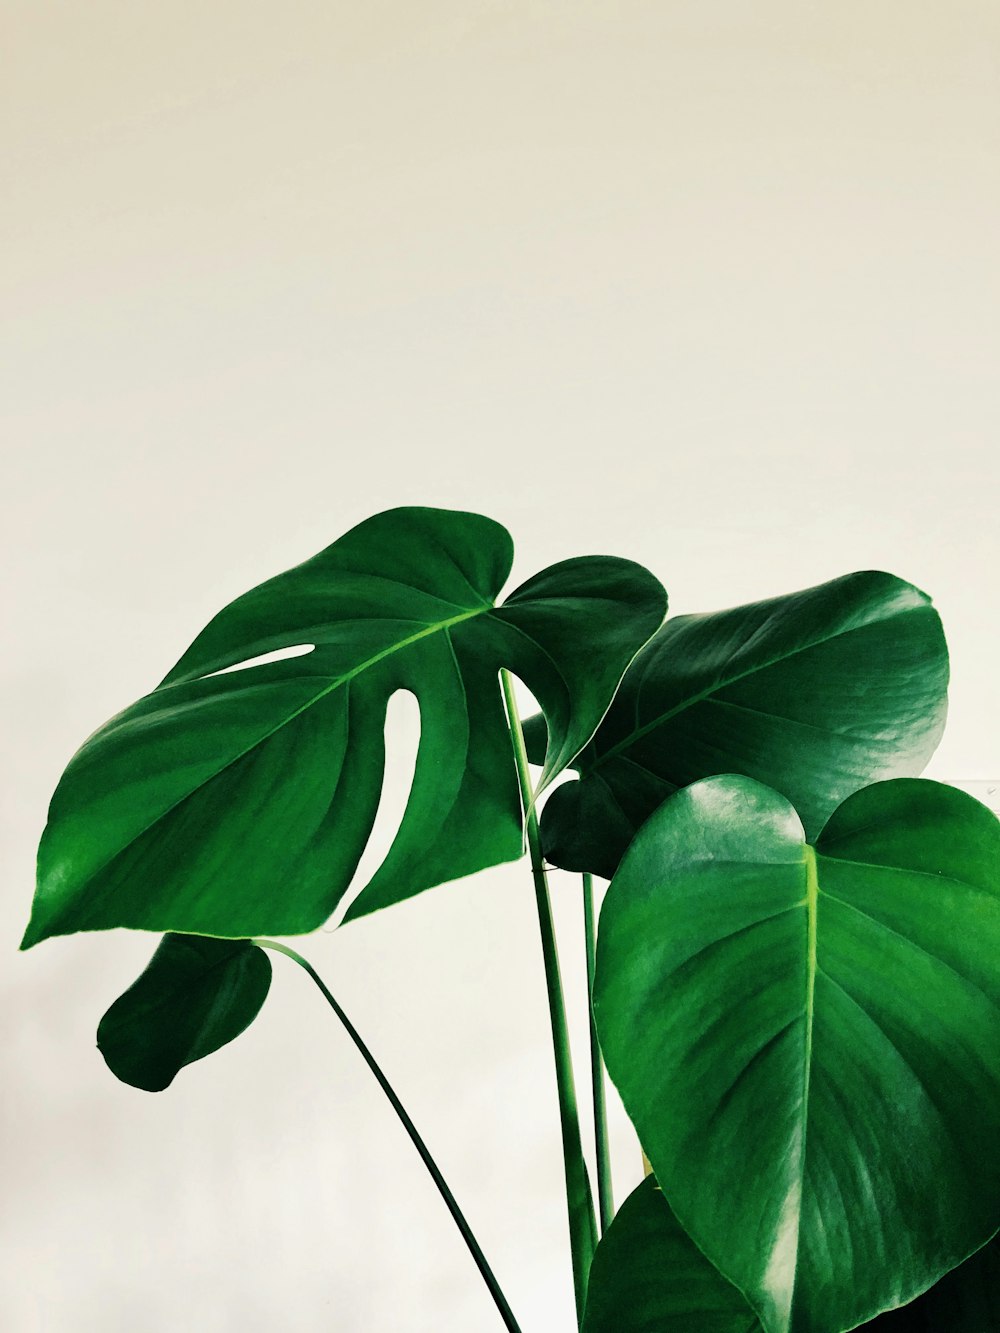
pixel 239 804
pixel 967 1300
pixel 806 1038
pixel 196 995
pixel 649 1277
pixel 816 694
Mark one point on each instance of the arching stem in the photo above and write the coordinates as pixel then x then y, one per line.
pixel 480 1259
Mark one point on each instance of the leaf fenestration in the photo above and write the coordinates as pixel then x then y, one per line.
pixel 238 803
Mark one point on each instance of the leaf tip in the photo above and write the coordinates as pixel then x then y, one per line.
pixel 34 933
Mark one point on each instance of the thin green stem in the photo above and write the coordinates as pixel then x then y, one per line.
pixel 579 1200
pixel 487 1273
pixel 605 1194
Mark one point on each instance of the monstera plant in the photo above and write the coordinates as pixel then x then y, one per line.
pixel 796 980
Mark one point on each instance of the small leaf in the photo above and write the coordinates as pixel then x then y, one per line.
pixel 816 693
pixel 196 995
pixel 238 802
pixel 649 1277
pixel 806 1038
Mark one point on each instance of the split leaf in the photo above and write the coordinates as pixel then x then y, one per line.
pixel 238 802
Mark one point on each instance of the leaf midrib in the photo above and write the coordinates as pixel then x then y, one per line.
pixel 437 627
pixel 638 732
pixel 335 684
pixel 812 914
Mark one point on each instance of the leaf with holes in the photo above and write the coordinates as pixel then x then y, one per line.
pixel 806 1037
pixel 195 996
pixel 816 693
pixel 238 803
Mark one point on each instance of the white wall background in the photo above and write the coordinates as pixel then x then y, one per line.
pixel 711 285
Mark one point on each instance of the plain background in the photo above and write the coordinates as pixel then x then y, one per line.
pixel 711 285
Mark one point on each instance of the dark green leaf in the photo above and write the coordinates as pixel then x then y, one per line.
pixel 817 694
pixel 806 1039
pixel 967 1300
pixel 239 804
pixel 196 995
pixel 649 1277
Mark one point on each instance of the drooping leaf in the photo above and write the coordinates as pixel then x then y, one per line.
pixel 196 995
pixel 806 1039
pixel 238 804
pixel 649 1277
pixel 817 694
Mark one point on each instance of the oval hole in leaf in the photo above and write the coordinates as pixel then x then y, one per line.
pixel 279 655
pixel 240 805
pixel 402 740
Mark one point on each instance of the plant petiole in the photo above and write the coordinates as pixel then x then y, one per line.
pixel 480 1259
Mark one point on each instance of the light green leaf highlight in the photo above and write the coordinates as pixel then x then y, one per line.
pixel 238 802
pixel 806 1039
pixel 815 693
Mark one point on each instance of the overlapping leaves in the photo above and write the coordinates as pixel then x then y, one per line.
pixel 237 803
pixel 805 1037
pixel 815 693
pixel 648 1276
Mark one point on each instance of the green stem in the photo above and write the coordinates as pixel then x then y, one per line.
pixel 582 1226
pixel 487 1273
pixel 605 1194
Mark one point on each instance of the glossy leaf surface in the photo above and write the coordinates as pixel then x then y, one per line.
pixel 816 694
pixel 966 1300
pixel 196 995
pixel 806 1039
pixel 238 803
pixel 649 1277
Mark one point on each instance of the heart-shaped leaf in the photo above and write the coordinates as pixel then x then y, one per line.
pixel 195 996
pixel 648 1276
pixel 816 694
pixel 238 803
pixel 806 1039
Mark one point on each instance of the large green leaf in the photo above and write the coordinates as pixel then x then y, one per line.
pixel 816 693
pixel 239 804
pixel 806 1039
pixel 195 996
pixel 648 1276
